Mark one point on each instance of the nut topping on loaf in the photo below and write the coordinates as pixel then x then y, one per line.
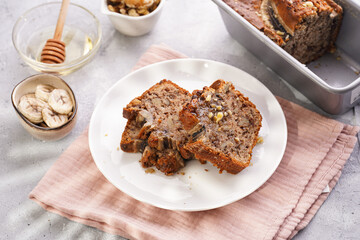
pixel 154 128
pixel 305 29
pixel 223 126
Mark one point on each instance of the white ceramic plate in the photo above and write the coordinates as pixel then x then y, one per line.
pixel 201 187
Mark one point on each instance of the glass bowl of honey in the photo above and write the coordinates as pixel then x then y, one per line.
pixel 81 35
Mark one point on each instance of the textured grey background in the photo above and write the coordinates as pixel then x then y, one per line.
pixel 192 27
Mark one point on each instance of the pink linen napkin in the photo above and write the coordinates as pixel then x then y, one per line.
pixel 316 152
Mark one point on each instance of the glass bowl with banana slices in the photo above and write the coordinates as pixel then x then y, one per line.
pixel 46 106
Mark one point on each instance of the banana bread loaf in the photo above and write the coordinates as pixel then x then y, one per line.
pixel 154 128
pixel 223 125
pixel 306 29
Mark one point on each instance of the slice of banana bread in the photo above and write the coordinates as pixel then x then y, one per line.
pixel 154 128
pixel 223 125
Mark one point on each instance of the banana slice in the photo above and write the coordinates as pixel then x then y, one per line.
pixel 31 107
pixel 53 119
pixel 60 101
pixel 43 91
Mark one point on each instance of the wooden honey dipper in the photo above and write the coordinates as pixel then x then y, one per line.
pixel 54 49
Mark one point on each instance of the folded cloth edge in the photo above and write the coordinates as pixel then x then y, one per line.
pixel 327 173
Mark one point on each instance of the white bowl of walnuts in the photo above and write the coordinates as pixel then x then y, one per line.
pixel 46 106
pixel 133 17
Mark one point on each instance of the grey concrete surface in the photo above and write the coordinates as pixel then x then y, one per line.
pixel 193 27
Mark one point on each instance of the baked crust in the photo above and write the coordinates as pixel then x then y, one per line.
pixel 204 153
pixel 293 12
pixel 129 141
pixel 131 110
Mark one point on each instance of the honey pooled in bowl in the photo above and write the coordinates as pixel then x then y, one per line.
pixel 133 8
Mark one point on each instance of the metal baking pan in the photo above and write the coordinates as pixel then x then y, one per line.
pixel 332 82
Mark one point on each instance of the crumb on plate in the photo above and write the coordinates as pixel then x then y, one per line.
pixel 150 170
